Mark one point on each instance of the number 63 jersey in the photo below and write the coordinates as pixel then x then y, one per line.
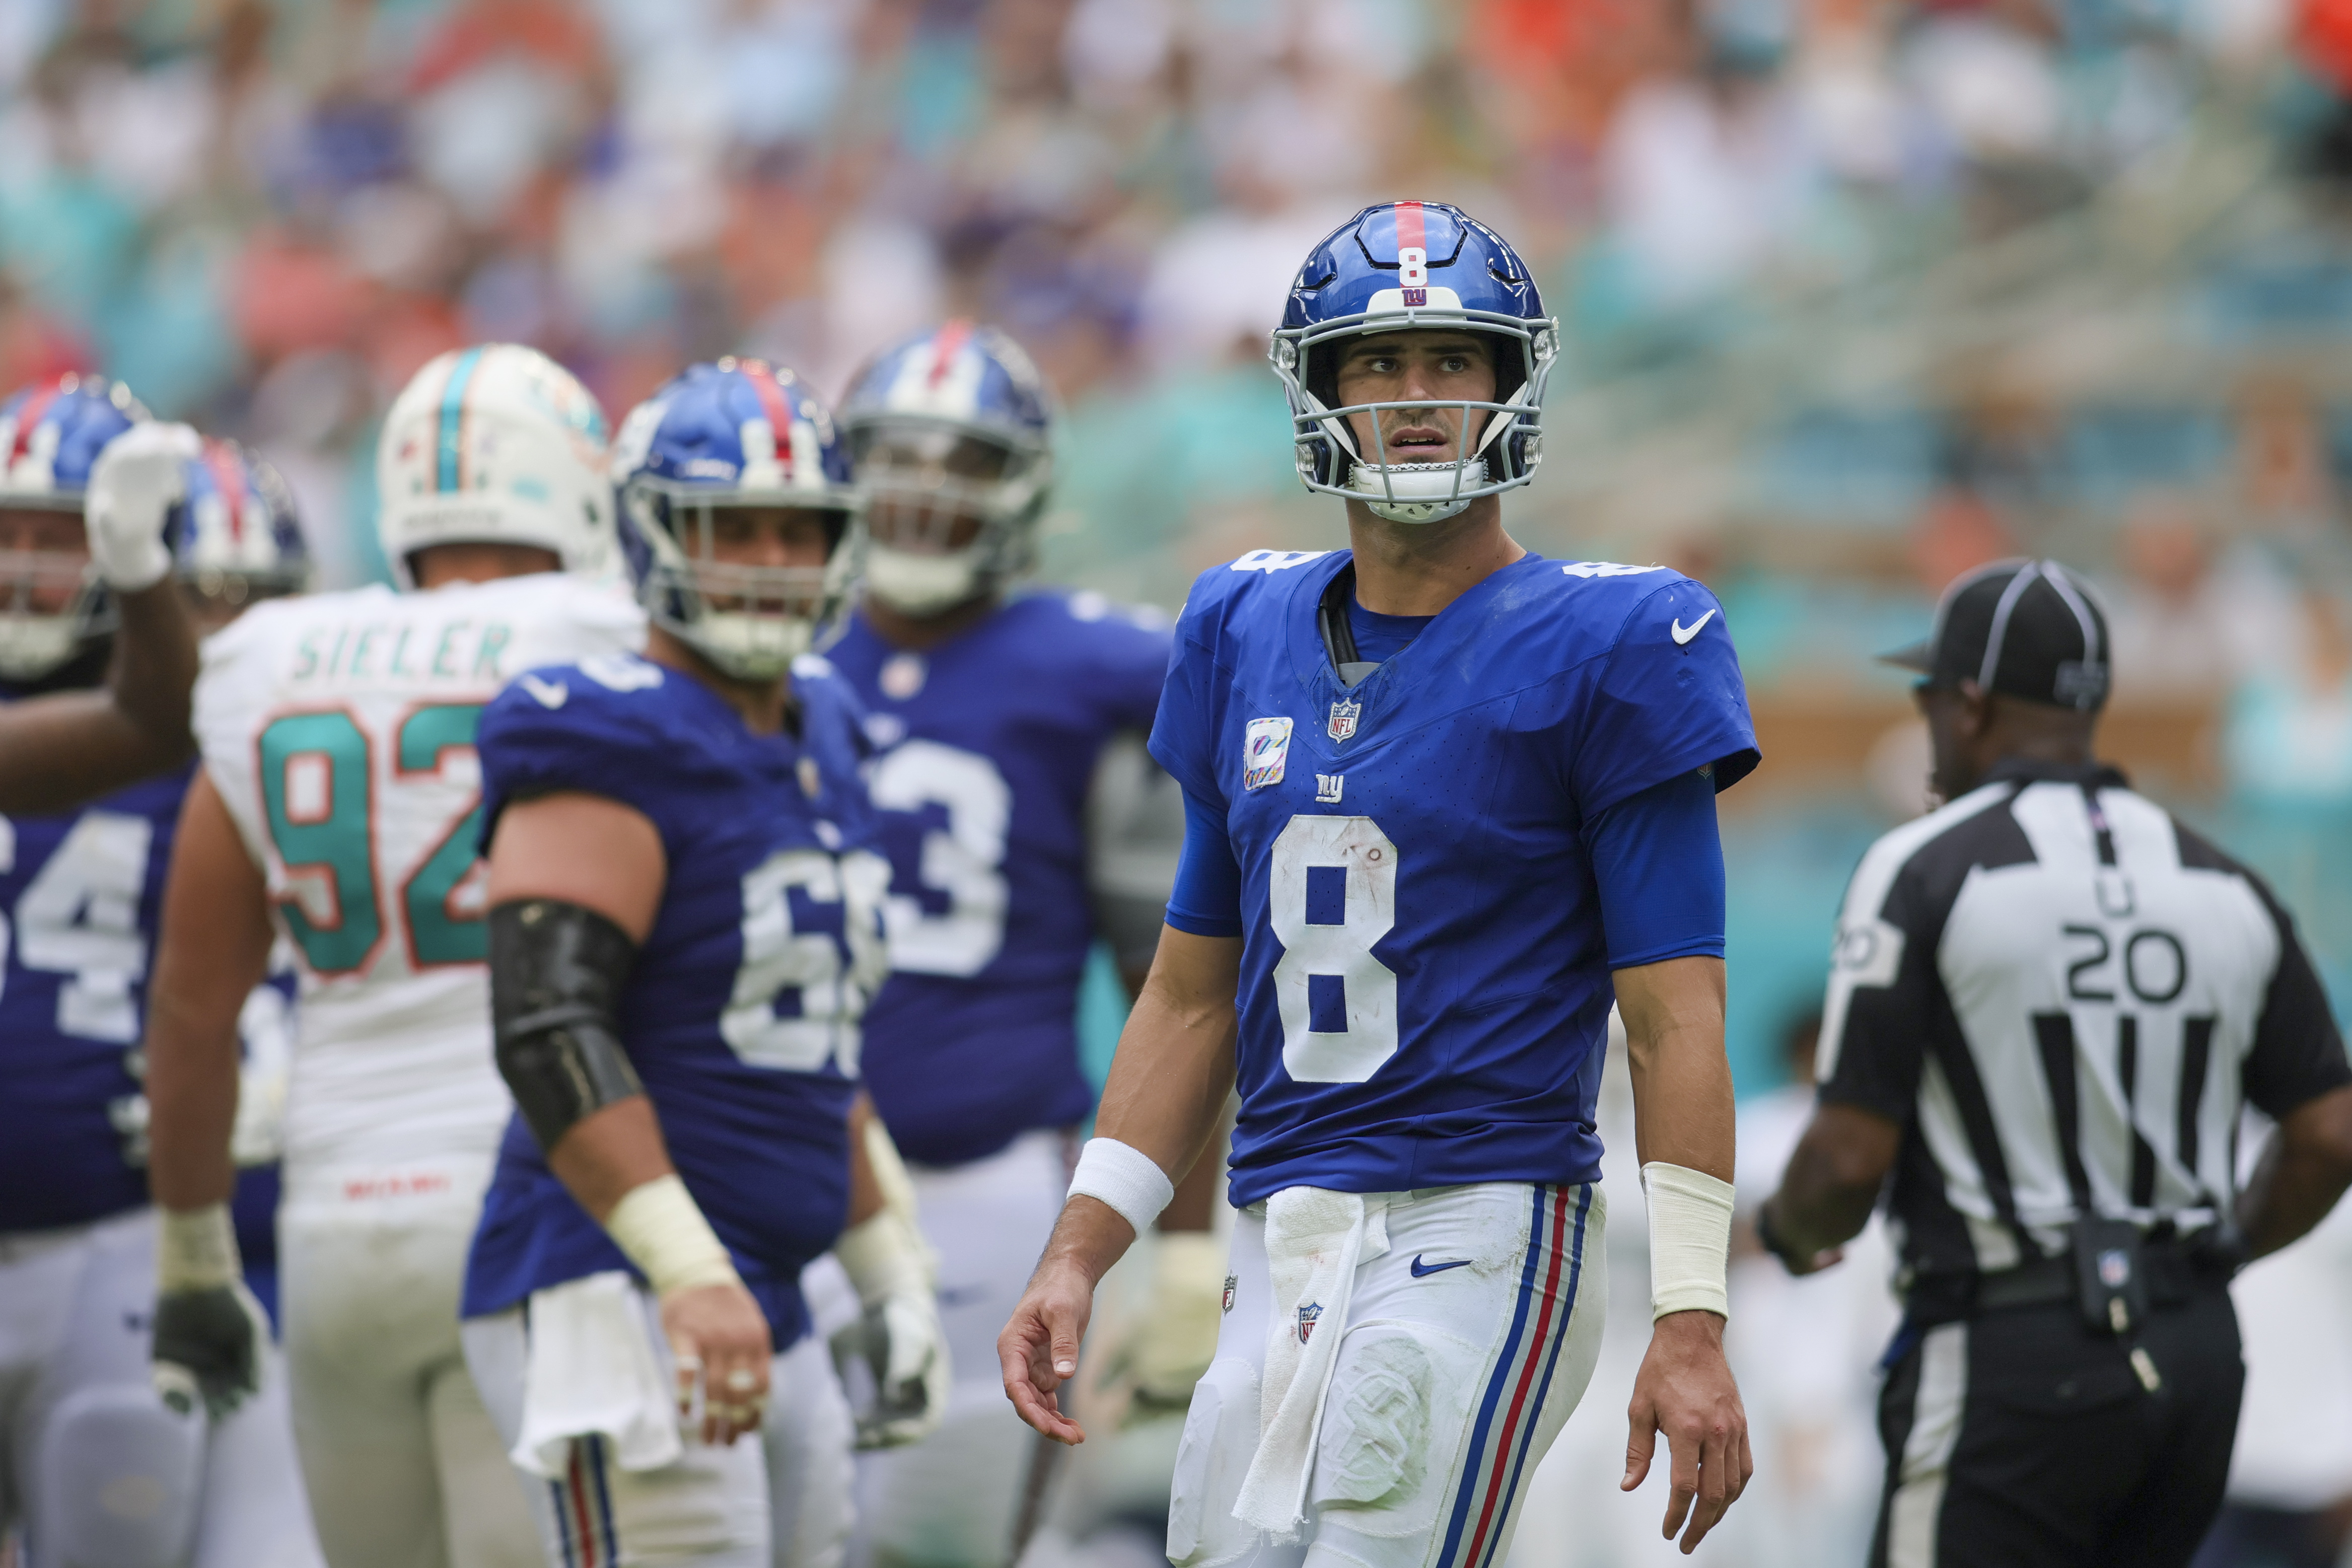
pixel 339 730
pixel 1424 983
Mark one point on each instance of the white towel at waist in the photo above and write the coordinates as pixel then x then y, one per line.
pixel 1315 1241
pixel 592 1369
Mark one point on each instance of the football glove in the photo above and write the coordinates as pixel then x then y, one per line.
pixel 1164 1351
pixel 139 478
pixel 209 1330
pixel 898 1337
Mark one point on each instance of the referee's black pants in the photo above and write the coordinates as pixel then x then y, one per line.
pixel 2020 1439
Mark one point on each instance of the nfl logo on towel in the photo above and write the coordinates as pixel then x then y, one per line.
pixel 1306 1315
pixel 1343 719
pixel 1265 746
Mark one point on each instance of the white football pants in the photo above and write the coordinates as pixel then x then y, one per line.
pixel 781 1500
pixel 1466 1345
pixel 951 1501
pixel 403 1466
pixel 95 1468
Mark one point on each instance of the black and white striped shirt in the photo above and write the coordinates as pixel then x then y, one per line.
pixel 2063 996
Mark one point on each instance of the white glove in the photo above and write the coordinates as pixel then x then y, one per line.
pixel 900 1337
pixel 1164 1351
pixel 140 477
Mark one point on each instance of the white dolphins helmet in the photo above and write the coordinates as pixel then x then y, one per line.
pixel 496 444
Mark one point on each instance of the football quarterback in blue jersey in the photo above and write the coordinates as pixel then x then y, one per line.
pixel 98 507
pixel 1446 800
pixel 1022 820
pixel 685 912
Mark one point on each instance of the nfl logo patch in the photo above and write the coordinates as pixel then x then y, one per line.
pixel 1306 1315
pixel 1265 747
pixel 2114 1268
pixel 1343 719
pixel 1230 1283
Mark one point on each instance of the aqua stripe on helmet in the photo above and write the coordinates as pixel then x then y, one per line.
pixel 447 443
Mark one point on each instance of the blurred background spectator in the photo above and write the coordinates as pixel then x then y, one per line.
pixel 1859 293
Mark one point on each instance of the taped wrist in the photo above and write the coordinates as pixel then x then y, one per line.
pixel 195 1249
pixel 660 1229
pixel 885 1256
pixel 1690 1239
pixel 556 974
pixel 1126 1178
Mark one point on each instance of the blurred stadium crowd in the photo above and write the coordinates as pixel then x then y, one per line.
pixel 1859 293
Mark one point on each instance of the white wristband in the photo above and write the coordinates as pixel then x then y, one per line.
pixel 195 1249
pixel 1690 1239
pixel 665 1234
pixel 1126 1178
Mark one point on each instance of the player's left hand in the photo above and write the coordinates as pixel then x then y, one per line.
pixel 137 480
pixel 207 1348
pixel 901 1339
pixel 1685 1390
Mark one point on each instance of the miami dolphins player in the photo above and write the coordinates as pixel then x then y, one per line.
pixel 685 908
pixel 99 508
pixel 1445 799
pixel 1023 819
pixel 337 810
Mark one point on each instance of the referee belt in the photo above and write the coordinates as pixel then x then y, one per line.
pixel 2175 1271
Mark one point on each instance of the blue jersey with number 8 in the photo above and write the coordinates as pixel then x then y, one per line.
pixel 741 1013
pixel 1424 984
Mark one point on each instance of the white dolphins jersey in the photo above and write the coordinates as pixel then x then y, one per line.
pixel 339 730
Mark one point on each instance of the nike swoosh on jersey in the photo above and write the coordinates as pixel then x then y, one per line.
pixel 1683 634
pixel 548 694
pixel 1422 1270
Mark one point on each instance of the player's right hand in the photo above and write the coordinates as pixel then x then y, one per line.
pixel 1038 1350
pixel 719 1337
pixel 137 480
pixel 207 1348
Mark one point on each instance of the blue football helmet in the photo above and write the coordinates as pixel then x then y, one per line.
pixel 952 434
pixel 738 434
pixel 1395 268
pixel 236 537
pixel 50 435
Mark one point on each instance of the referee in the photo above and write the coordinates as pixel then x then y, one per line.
pixel 2047 1004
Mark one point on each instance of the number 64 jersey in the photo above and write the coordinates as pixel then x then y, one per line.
pixel 339 730
pixel 1424 979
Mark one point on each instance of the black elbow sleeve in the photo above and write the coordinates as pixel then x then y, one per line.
pixel 556 974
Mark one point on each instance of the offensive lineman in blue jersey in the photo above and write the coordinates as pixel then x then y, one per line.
pixel 1022 819
pixel 685 924
pixel 99 505
pixel 1444 797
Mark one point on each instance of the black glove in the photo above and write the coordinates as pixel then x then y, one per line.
pixel 208 1347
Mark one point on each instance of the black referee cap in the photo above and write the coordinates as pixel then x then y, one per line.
pixel 2025 628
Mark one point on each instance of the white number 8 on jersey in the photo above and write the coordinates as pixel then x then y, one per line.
pixel 1332 895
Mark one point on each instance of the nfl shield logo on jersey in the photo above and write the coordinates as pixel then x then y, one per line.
pixel 1230 1283
pixel 1343 719
pixel 1306 1315
pixel 1265 746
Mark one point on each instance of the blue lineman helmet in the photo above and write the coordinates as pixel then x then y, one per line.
pixel 738 433
pixel 50 435
pixel 236 537
pixel 951 433
pixel 1398 267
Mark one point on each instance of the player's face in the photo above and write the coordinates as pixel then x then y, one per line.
pixel 45 553
pixel 1423 371
pixel 759 559
pixel 924 484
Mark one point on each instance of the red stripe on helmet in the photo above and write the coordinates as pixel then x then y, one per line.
pixel 778 412
pixel 948 343
pixel 1409 225
pixel 36 404
pixel 228 478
